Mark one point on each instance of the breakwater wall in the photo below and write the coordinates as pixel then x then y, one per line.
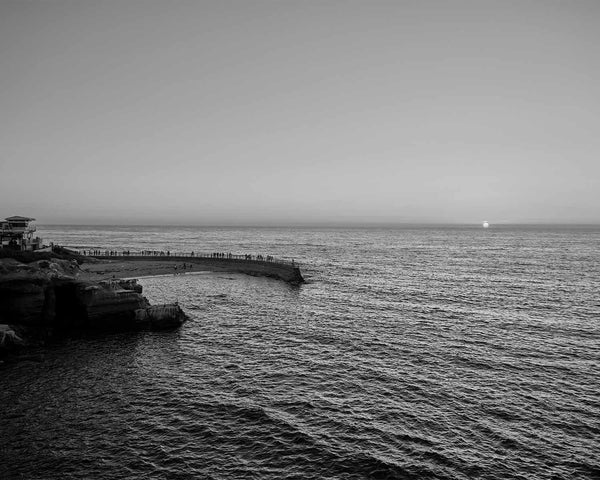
pixel 288 271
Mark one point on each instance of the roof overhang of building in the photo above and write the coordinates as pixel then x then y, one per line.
pixel 18 218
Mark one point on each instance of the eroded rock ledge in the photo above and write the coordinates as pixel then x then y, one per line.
pixel 47 294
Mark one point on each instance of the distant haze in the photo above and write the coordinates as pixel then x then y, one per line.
pixel 299 112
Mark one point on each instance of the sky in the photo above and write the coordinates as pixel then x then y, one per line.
pixel 282 112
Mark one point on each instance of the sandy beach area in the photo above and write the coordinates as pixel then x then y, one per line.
pixel 107 269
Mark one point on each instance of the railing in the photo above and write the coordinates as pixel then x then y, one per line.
pixel 155 254
pixel 7 228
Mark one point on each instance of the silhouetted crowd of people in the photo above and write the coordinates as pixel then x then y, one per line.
pixel 167 253
pixel 104 253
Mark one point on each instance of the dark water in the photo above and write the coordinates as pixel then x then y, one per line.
pixel 412 353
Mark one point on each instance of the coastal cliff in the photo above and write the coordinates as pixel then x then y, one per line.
pixel 47 295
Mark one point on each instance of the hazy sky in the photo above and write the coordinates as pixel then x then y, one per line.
pixel 273 112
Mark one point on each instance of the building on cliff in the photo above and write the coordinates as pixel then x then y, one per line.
pixel 18 233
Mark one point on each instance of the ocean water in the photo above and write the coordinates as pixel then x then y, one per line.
pixel 410 353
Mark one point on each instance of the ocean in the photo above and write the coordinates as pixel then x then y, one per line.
pixel 410 353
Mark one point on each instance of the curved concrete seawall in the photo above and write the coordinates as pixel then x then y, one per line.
pixel 287 271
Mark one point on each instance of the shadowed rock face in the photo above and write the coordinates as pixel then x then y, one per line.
pixel 27 301
pixel 46 296
pixel 86 306
pixel 8 337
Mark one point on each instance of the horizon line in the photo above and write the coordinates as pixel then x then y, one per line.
pixel 329 224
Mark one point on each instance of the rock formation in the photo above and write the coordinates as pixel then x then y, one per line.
pixel 47 295
pixel 8 337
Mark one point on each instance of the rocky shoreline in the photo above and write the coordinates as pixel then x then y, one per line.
pixel 44 297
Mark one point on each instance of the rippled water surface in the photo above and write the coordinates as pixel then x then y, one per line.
pixel 451 353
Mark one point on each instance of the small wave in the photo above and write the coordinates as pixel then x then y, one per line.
pixel 373 467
